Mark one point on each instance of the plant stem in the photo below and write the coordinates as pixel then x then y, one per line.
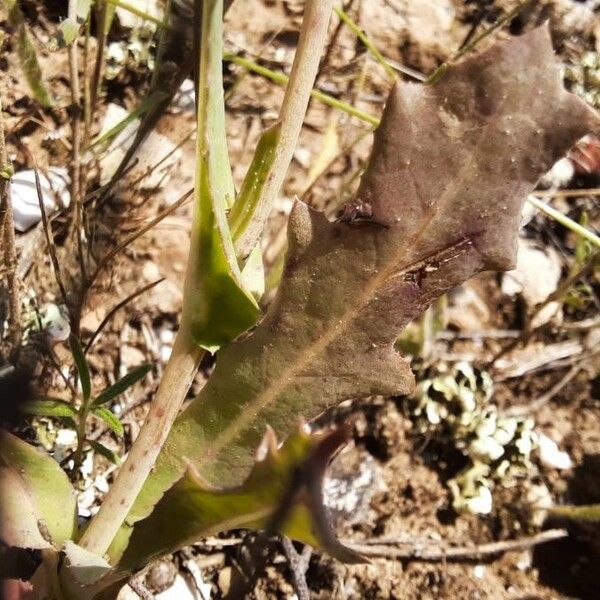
pixel 87 92
pixel 282 79
pixel 104 19
pixel 80 430
pixel 76 145
pixel 565 221
pixel 7 234
pixel 362 36
pixel 313 34
pixel 186 355
pixel 177 378
pixel 134 10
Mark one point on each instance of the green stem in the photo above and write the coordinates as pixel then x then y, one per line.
pixel 362 36
pixel 282 79
pixel 137 12
pixel 313 36
pixel 565 221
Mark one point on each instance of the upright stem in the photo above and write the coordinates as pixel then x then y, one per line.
pixel 317 14
pixel 76 141
pixel 176 381
pixel 103 19
pixel 186 355
pixel 7 234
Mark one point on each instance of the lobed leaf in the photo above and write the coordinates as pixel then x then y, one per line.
pixel 282 492
pixel 37 503
pixel 441 200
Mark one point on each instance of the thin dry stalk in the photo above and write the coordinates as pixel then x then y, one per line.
pixel 76 132
pixel 116 308
pixel 87 92
pixel 527 333
pixel 7 234
pixel 105 261
pixel 101 13
pixel 298 563
pixel 541 401
pixel 50 239
pixel 456 554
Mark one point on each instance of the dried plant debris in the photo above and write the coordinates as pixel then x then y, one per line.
pixel 452 405
pixel 584 78
pixel 451 166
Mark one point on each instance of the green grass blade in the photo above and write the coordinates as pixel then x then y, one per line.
pixel 369 45
pixel 101 449
pixel 82 367
pixel 247 200
pixel 147 104
pixel 589 512
pixel 122 384
pixel 109 418
pixel 50 407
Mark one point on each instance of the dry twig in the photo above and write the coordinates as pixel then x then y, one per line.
pixel 458 554
pixel 7 235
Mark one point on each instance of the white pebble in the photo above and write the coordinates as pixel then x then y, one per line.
pixel 550 454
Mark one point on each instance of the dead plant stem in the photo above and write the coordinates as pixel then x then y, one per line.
pixel 101 16
pixel 76 112
pixel 430 553
pixel 50 241
pixel 7 234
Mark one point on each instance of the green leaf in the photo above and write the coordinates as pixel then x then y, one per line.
pixel 148 104
pixel 27 55
pixel 84 575
pixel 38 506
pixel 283 493
pixel 256 177
pixel 49 407
pixel 101 449
pixel 68 30
pixel 82 367
pixel 589 512
pixel 109 418
pixel 217 306
pixel 427 217
pixel 127 381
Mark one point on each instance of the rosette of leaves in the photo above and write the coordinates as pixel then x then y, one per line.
pixel 451 404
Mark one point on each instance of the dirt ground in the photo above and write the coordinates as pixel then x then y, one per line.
pixel 406 495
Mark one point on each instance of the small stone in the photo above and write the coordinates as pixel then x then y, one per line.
pixel 550 454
